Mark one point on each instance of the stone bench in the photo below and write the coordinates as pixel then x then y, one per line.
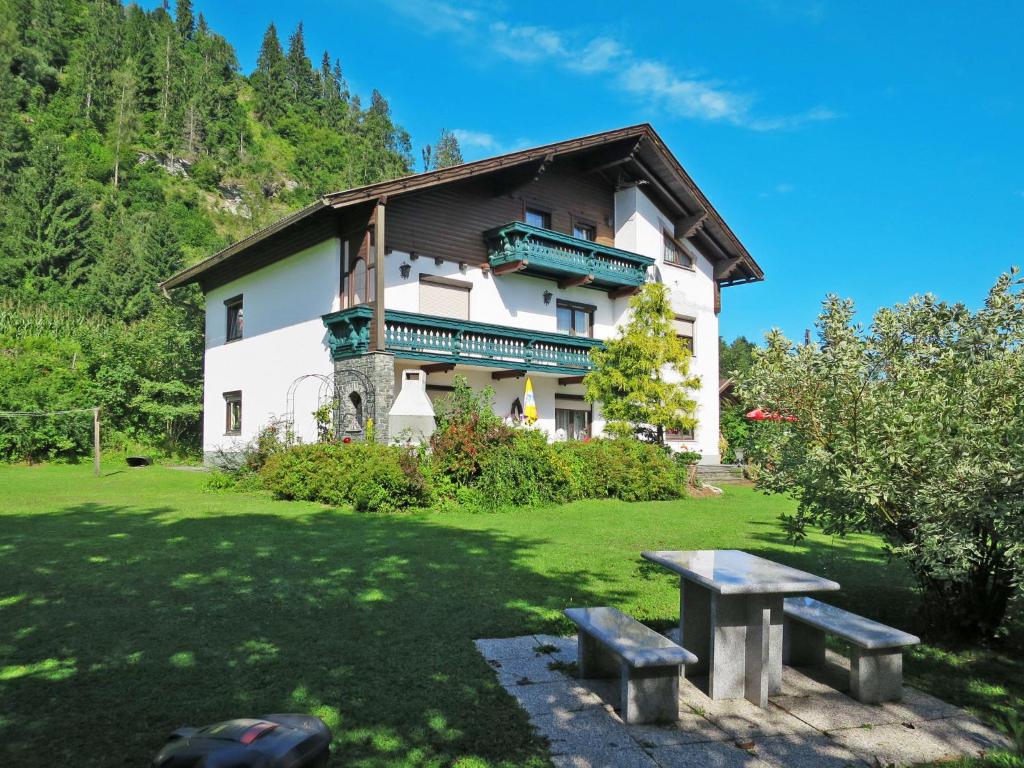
pixel 876 658
pixel 613 644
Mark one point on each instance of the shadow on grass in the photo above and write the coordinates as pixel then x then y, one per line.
pixel 118 625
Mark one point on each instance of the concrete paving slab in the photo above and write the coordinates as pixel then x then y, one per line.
pixel 500 649
pixel 548 698
pixel 711 754
pixel 527 670
pixel 585 732
pixel 931 741
pixel 814 681
pixel 807 751
pixel 690 729
pixel 631 757
pixel 565 646
pixel 743 720
pixel 917 706
pixel 833 711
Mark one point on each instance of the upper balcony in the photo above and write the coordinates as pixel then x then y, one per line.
pixel 445 340
pixel 519 247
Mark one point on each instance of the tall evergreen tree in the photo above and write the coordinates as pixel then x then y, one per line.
pixel 270 80
pixel 448 152
pixel 47 237
pixel 301 80
pixel 184 19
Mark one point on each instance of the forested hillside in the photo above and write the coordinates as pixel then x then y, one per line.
pixel 131 145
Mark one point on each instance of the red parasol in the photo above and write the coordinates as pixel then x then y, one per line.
pixel 759 414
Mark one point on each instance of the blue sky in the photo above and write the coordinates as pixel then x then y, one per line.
pixel 871 149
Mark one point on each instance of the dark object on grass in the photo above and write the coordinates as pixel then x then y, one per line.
pixel 269 741
pixel 138 461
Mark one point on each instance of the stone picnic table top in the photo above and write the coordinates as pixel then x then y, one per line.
pixel 733 572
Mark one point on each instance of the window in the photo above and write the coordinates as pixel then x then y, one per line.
pixel 234 307
pixel 584 231
pixel 684 331
pixel 575 319
pixel 538 218
pixel 358 282
pixel 233 413
pixel 677 435
pixel 576 423
pixel 676 253
pixel 444 297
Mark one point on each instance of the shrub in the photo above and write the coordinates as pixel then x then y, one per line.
pixel 623 468
pixel 524 470
pixel 467 428
pixel 371 477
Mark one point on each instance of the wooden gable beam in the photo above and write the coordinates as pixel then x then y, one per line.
pixel 687 227
pixel 725 268
pixel 604 160
pixel 565 381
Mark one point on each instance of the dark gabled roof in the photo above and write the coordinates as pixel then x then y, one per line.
pixel 644 152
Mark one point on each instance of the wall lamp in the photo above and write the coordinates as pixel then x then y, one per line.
pixel 547 297
pixel 405 269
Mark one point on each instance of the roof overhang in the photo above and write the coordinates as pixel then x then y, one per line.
pixel 637 150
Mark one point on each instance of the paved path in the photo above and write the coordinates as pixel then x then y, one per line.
pixel 811 724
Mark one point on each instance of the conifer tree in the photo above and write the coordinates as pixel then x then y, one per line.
pixel 301 81
pixel 447 152
pixel 184 20
pixel 270 79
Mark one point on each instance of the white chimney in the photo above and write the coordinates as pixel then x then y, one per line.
pixel 411 418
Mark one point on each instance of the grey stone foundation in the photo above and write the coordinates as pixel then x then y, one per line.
pixel 365 389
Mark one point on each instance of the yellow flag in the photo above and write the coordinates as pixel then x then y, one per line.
pixel 530 407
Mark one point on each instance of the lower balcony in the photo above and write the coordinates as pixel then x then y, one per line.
pixel 528 250
pixel 445 340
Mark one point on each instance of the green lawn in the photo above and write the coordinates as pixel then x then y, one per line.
pixel 137 602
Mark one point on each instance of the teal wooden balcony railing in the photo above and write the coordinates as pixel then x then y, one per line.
pixel 442 339
pixel 528 250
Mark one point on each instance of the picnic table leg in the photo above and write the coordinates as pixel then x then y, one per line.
pixel 695 626
pixel 759 662
pixel 778 634
pixel 726 676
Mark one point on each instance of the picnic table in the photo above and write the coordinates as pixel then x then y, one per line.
pixel 731 617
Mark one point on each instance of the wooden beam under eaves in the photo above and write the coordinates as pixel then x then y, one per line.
pixel 437 367
pixel 725 268
pixel 688 227
pixel 565 381
pixel 512 266
pixel 499 375
pixel 572 282
pixel 627 290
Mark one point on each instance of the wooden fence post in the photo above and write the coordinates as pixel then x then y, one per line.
pixel 96 441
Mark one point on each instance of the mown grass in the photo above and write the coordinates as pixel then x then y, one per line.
pixel 137 602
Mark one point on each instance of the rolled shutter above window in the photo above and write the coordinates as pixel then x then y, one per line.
pixel 444 299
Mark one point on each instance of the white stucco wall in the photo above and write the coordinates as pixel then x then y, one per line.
pixel 283 339
pixel 514 300
pixel 639 228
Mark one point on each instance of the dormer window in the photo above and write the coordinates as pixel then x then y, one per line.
pixel 675 252
pixel 234 319
pixel 538 218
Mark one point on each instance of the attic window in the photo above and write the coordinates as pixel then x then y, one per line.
pixel 234 318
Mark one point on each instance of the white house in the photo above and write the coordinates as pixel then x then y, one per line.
pixel 495 270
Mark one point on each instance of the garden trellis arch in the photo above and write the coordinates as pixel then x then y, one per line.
pixel 325 395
